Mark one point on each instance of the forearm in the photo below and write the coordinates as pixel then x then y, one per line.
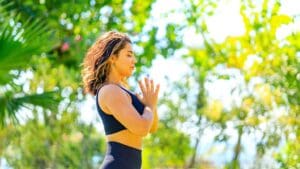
pixel 148 116
pixel 146 122
pixel 155 121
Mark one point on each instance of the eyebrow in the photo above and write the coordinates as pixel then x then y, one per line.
pixel 130 51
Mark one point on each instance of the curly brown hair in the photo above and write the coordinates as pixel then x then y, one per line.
pixel 96 65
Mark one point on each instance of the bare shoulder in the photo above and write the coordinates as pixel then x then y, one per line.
pixel 110 89
pixel 111 92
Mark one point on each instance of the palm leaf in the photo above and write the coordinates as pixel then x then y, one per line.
pixel 10 103
pixel 20 42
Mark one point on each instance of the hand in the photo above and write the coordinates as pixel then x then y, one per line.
pixel 149 93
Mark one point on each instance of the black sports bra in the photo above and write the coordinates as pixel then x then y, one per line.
pixel 110 123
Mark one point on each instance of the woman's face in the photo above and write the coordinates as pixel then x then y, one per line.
pixel 124 63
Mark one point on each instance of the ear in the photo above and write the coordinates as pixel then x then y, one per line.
pixel 112 58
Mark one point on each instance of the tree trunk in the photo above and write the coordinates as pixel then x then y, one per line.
pixel 237 149
pixel 200 104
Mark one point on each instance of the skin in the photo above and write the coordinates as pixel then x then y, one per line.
pixel 114 101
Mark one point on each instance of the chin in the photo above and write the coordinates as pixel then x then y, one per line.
pixel 128 75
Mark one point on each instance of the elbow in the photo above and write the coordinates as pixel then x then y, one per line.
pixel 153 129
pixel 142 130
pixel 142 133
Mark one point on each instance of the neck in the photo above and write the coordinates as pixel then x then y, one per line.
pixel 114 77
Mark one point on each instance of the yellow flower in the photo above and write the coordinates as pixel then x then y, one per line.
pixel 252 121
pixel 214 110
pixel 247 104
pixel 265 94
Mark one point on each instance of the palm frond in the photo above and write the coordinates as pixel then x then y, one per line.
pixel 20 41
pixel 10 104
pixel 48 100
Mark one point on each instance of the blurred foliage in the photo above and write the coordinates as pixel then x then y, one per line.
pixel 56 141
pixel 276 63
pixel 42 44
pixel 20 41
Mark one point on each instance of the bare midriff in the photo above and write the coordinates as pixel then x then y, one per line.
pixel 127 138
pixel 124 136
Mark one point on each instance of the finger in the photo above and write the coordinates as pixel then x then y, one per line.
pixel 142 87
pixel 147 83
pixel 139 96
pixel 157 90
pixel 152 85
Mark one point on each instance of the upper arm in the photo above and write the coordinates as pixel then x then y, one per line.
pixel 119 105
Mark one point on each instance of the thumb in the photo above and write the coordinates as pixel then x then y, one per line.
pixel 139 96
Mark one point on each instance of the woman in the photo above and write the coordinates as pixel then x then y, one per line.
pixel 126 117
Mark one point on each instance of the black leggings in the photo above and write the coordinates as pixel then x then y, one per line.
pixel 120 156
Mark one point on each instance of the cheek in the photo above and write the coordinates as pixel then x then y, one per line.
pixel 125 63
pixel 123 68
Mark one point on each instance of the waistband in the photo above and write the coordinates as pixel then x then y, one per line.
pixel 113 145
